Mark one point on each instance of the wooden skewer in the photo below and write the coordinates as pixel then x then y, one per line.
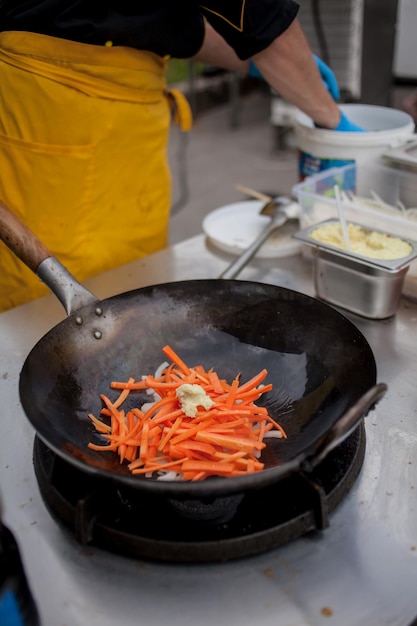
pixel 253 193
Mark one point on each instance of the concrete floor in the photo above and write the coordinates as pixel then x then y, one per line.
pixel 217 154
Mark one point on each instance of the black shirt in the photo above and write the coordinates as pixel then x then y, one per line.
pixel 165 27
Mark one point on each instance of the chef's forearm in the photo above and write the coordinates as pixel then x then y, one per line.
pixel 289 67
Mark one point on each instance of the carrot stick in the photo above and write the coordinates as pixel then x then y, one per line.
pixel 234 443
pixel 253 382
pixel 169 352
pixel 232 394
pixel 140 384
pixel 100 426
pixel 215 382
pixel 122 397
pixel 170 433
pixel 190 432
pixel 208 466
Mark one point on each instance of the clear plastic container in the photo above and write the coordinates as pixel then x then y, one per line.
pixel 373 195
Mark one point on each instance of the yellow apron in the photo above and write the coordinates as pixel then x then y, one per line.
pixel 83 154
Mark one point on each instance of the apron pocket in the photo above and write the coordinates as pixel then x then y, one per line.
pixel 49 187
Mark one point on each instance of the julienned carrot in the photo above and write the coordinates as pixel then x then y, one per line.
pixel 199 425
pixel 169 352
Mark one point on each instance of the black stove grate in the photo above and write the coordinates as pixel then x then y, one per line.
pixel 142 525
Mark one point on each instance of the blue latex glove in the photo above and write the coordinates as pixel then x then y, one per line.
pixel 253 70
pixel 346 126
pixel 328 77
pixel 326 73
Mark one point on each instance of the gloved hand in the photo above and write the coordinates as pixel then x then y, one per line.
pixel 328 77
pixel 346 126
pixel 326 73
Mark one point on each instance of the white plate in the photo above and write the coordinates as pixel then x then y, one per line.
pixel 233 228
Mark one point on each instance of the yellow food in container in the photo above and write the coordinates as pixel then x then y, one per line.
pixel 365 242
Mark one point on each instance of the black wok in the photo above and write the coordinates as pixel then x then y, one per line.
pixel 322 368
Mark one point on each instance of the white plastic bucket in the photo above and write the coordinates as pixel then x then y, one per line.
pixel 320 149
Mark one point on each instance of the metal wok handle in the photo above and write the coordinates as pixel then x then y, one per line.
pixel 278 209
pixel 237 266
pixel 346 424
pixel 36 256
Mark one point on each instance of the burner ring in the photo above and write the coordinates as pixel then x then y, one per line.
pixel 156 528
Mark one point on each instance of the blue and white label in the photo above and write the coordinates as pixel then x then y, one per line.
pixel 308 164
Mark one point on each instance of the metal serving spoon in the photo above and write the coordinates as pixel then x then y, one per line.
pixel 280 210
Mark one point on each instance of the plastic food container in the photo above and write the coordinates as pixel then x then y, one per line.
pixel 368 287
pixel 374 195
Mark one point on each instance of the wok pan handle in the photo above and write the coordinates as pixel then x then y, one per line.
pixel 20 240
pixel 35 255
pixel 346 424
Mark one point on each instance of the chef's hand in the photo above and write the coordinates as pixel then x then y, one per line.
pixel 329 79
pixel 346 126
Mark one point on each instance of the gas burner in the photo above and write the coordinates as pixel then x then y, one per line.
pixel 141 525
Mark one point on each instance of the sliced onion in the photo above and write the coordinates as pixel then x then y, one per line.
pixel 168 476
pixel 161 368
